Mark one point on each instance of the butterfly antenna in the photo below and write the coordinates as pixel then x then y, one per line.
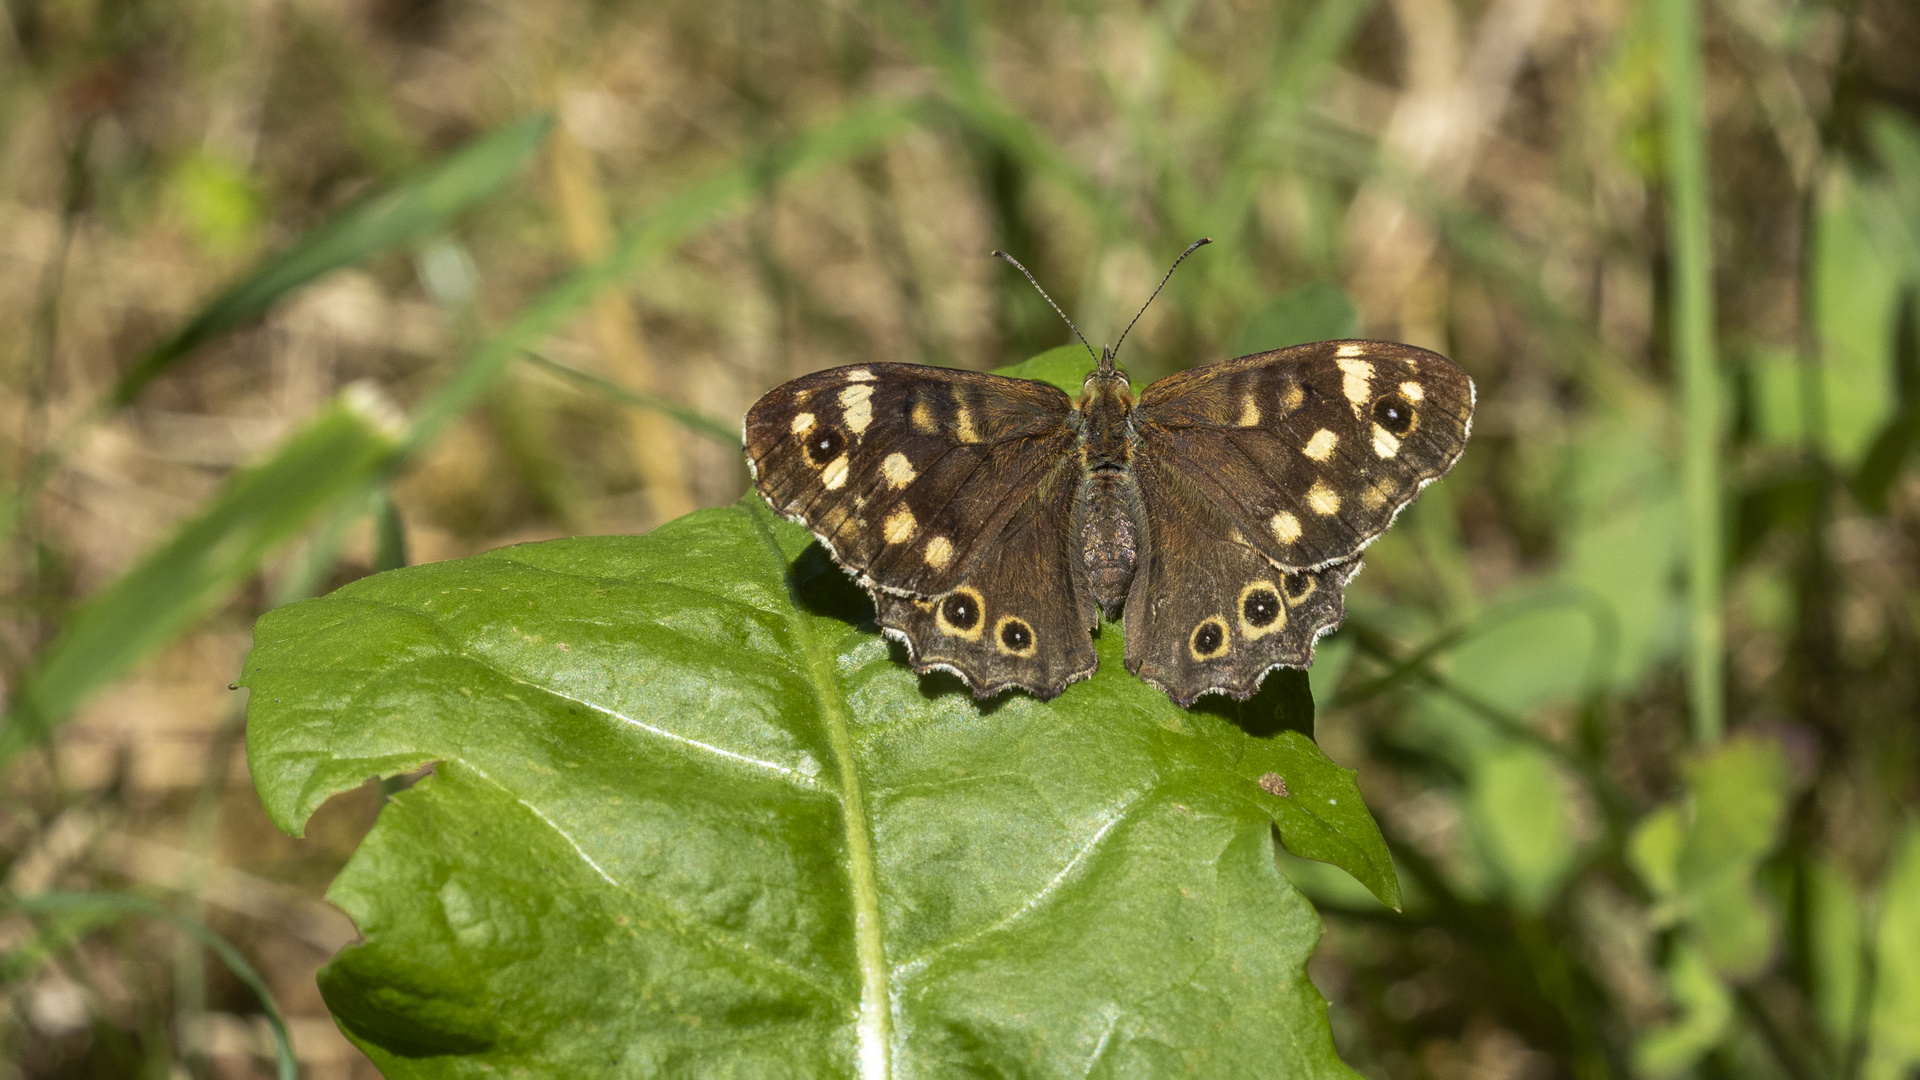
pixel 1049 300
pixel 1191 248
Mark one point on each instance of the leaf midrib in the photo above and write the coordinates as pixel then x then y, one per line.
pixel 874 1027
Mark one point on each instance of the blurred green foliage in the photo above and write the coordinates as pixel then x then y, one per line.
pixel 791 186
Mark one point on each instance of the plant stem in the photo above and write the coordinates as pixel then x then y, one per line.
pixel 1693 350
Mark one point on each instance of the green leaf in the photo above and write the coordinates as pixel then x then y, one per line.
pixel 1519 809
pixel 181 579
pixel 1316 311
pixel 1654 850
pixel 1882 463
pixel 1836 935
pixel 414 208
pixel 1740 794
pixel 692 815
pixel 1739 807
pixel 1856 286
pixel 1065 367
pixel 1706 1011
pixel 1700 856
pixel 1895 1019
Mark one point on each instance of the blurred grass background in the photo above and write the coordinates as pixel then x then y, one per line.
pixel 292 291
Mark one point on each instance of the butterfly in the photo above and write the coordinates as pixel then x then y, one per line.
pixel 1219 515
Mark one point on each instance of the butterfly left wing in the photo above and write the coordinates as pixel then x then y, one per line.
pixel 1020 617
pixel 948 495
pixel 1310 451
pixel 906 472
pixel 1208 612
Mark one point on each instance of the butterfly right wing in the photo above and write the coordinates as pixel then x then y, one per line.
pixel 1310 451
pixel 907 473
pixel 1208 612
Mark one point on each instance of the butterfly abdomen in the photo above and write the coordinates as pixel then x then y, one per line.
pixel 1109 534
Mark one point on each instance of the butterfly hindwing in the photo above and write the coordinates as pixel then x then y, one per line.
pixel 1210 613
pixel 1310 451
pixel 1021 617
pixel 907 473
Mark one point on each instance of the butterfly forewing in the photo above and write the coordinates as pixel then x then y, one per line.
pixel 1309 452
pixel 907 473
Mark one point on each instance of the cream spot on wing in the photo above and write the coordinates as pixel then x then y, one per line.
pixel 901 527
pixel 1286 527
pixel 835 474
pixel 963 425
pixel 939 552
pixel 803 423
pixel 859 409
pixel 922 419
pixel 1412 392
pixel 1321 500
pixel 898 471
pixel 859 374
pixel 1358 384
pixel 1293 397
pixel 1377 496
pixel 1320 447
pixel 1249 411
pixel 1351 348
pixel 1385 443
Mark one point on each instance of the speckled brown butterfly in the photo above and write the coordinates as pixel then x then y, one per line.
pixel 993 519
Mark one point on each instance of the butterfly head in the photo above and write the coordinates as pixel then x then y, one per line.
pixel 1106 379
pixel 1105 400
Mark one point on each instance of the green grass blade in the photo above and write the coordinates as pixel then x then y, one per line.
pixel 98 907
pixel 691 419
pixel 414 208
pixel 1882 464
pixel 182 578
pixel 1688 224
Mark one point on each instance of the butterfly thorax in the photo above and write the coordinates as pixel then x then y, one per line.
pixel 1108 508
pixel 1106 401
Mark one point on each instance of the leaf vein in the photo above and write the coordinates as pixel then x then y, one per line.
pixel 1034 903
